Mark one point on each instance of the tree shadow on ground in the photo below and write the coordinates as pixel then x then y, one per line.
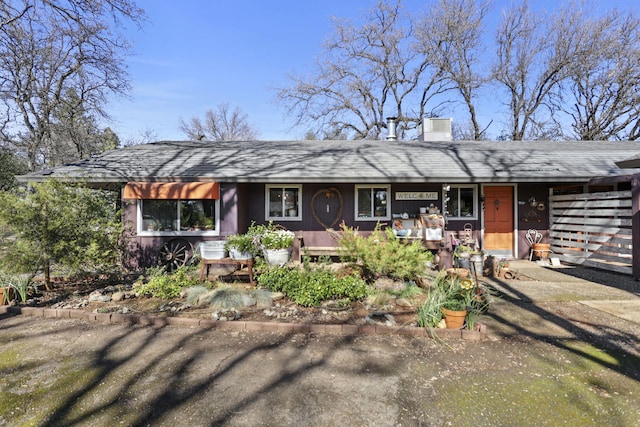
pixel 607 278
pixel 607 338
pixel 183 379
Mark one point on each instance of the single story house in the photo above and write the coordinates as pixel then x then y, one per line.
pixel 194 191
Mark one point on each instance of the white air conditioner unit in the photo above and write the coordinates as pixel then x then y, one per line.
pixel 435 129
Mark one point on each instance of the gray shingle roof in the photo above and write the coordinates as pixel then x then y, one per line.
pixel 353 161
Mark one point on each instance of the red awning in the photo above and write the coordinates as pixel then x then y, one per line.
pixel 171 190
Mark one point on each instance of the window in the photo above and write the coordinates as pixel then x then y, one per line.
pixel 283 203
pixel 462 202
pixel 178 216
pixel 372 202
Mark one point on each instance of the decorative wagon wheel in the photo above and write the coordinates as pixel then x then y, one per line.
pixel 175 253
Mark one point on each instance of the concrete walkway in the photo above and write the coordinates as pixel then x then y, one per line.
pixel 628 310
pixel 560 301
pixel 613 293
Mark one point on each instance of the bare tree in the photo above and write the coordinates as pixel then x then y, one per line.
pixel 602 92
pixel 534 56
pixel 223 124
pixel 365 74
pixel 144 136
pixel 11 13
pixel 51 47
pixel 554 70
pixel 451 35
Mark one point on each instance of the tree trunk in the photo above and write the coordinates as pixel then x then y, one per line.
pixel 47 275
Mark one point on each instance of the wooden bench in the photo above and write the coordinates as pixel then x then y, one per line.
pixel 316 250
pixel 319 251
pixel 205 265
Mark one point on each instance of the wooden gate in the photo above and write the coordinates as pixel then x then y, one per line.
pixel 593 229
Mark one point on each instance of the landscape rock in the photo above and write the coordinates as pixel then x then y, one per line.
pixel 380 318
pixel 276 296
pixel 403 302
pixel 226 315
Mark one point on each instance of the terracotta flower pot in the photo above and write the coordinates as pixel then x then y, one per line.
pixel 453 318
pixel 5 293
pixel 541 250
pixel 458 272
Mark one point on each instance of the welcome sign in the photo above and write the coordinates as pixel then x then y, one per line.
pixel 416 195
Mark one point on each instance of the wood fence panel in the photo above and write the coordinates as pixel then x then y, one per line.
pixel 593 229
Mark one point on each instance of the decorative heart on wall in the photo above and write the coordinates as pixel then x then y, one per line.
pixel 326 207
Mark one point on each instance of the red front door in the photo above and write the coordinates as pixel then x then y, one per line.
pixel 498 218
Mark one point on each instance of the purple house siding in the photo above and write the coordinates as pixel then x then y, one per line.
pixel 242 203
pixel 531 217
pixel 231 202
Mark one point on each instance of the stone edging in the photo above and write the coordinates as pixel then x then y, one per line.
pixel 159 321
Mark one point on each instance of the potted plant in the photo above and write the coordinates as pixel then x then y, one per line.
pixel 454 311
pixel 14 284
pixel 5 295
pixel 458 303
pixel 464 303
pixel 462 255
pixel 443 296
pixel 5 289
pixel 276 243
pixel 502 266
pixel 240 246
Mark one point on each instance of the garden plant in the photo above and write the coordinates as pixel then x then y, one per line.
pixel 453 293
pixel 56 226
pixel 382 254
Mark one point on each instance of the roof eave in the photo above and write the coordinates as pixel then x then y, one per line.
pixel 629 163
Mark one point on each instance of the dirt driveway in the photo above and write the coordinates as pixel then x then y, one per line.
pixel 549 359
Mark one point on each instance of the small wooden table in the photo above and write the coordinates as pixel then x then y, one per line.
pixel 205 265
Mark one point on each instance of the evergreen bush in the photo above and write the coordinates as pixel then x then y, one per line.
pixel 60 226
pixel 382 254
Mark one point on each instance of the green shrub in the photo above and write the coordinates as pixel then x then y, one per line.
pixel 408 291
pixel 381 297
pixel 382 254
pixel 310 287
pixel 161 284
pixel 60 226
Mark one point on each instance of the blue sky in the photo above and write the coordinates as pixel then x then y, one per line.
pixel 193 55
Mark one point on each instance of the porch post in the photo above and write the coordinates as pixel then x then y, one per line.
pixel 635 226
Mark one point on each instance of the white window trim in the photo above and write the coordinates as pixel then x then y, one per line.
pixel 476 206
pixel 146 233
pixel 387 216
pixel 268 188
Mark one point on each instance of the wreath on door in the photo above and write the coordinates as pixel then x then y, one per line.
pixel 328 193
